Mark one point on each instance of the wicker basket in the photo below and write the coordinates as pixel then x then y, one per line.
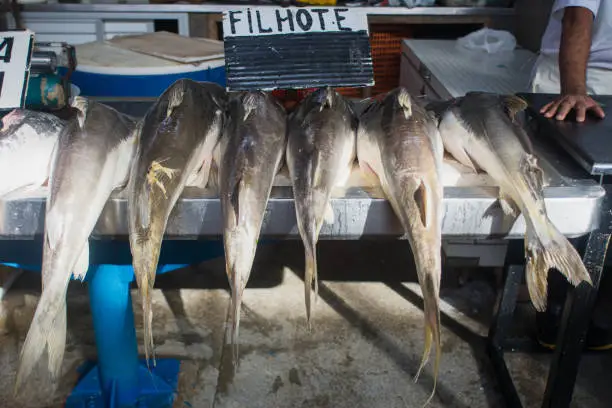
pixel 386 44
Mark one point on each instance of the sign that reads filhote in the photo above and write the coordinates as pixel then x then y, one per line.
pixel 15 55
pixel 296 47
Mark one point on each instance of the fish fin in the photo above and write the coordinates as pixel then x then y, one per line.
pixel 514 104
pixel 432 332
pixel 45 330
pixel 175 99
pixel 82 264
pixel 310 278
pixel 405 102
pixel 559 254
pixel 147 287
pixel 508 205
pixel 200 177
pixel 54 227
pixel 56 344
pixel 328 102
pixel 81 104
pixel 545 246
pixel 249 104
pixel 329 214
pixel 422 201
pixel 236 307
pixel 368 174
pixel 213 178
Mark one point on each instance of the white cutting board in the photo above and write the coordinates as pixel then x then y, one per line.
pixel 171 46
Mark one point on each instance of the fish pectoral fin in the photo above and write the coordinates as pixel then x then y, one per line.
pixel 534 176
pixel 82 263
pixel 423 202
pixel 514 105
pixel 329 214
pixel 54 227
pixel 368 174
pixel 508 205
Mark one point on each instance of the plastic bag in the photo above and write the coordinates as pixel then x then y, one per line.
pixel 488 40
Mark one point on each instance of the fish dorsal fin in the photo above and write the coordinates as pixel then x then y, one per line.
pixel 328 102
pixel 405 102
pixel 175 99
pixel 420 197
pixel 81 104
pixel 514 105
pixel 249 103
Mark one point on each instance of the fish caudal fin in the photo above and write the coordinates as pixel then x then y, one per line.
pixel 432 333
pixel 559 254
pixel 47 332
pixel 56 344
pixel 310 277
pixel 236 308
pixel 146 291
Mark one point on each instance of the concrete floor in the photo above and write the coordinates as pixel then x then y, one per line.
pixel 363 351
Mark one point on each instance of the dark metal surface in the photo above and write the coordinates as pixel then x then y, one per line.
pixel 589 143
pixel 499 331
pixel 574 321
pixel 297 61
pixel 43 62
pixel 576 315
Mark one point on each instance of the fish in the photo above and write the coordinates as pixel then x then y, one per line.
pixel 251 153
pixel 92 160
pixel 484 131
pixel 399 147
pixel 175 141
pixel 321 150
pixel 27 144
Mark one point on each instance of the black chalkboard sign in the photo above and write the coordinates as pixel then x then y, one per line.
pixel 270 48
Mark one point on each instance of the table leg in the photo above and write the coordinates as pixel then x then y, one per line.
pixel 119 379
pixel 574 326
pixel 499 332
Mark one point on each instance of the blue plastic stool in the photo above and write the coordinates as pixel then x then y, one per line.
pixel 119 379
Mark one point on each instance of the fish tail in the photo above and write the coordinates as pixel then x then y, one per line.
pixel 432 332
pixel 47 332
pixel 547 248
pixel 310 277
pixel 235 323
pixel 56 342
pixel 146 291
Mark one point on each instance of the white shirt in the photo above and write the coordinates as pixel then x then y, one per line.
pixel 601 42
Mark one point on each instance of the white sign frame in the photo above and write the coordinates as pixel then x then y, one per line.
pixel 15 58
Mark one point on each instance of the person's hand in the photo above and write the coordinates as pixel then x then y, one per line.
pixel 565 103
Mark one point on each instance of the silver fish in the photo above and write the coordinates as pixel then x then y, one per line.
pixel 27 143
pixel 175 141
pixel 93 159
pixel 320 156
pixel 251 149
pixel 481 130
pixel 399 148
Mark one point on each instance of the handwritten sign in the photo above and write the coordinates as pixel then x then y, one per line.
pixel 296 47
pixel 15 55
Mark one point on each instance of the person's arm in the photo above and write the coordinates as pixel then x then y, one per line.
pixel 573 57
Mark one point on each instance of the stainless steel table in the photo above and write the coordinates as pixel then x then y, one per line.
pixel 573 201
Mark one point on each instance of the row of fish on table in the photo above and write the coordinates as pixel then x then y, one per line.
pixel 196 134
